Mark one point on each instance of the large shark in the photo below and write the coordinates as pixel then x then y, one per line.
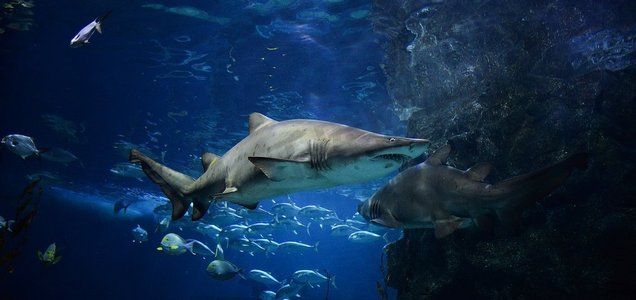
pixel 433 194
pixel 282 157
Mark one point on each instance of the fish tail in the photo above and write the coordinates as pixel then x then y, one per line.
pixel 524 190
pixel 103 16
pixel 316 246
pixel 173 184
pixel 332 280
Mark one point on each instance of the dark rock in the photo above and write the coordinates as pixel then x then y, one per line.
pixel 521 85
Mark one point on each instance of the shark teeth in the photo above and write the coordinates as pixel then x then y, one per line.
pixel 395 157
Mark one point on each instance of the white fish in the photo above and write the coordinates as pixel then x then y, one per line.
pixel 367 237
pixel 289 290
pixel 128 170
pixel 223 270
pixel 263 277
pixel 139 234
pixel 312 277
pixel 82 37
pixel 295 247
pixel 59 155
pixel 343 230
pixel 21 145
pixel 267 295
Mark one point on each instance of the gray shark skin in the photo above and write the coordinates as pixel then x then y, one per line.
pixel 282 157
pixel 434 195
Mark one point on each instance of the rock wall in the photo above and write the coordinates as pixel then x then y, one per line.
pixel 521 84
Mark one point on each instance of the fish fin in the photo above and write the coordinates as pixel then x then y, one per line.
pixel 208 159
pixel 228 190
pixel 179 204
pixel 98 27
pixel 440 156
pixel 199 208
pixel 39 254
pixel 535 186
pixel 281 169
pixel 172 183
pixel 250 206
pixel 479 172
pixel 316 246
pixel 485 222
pixel 333 281
pixel 308 224
pixel 385 237
pixel 139 179
pixel 258 120
pixel 57 259
pixel 103 16
pixel 445 227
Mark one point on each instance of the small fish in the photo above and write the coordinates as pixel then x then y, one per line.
pixel 121 204
pixel 223 270
pixel 21 145
pixel 49 257
pixel 263 277
pixel 163 225
pixel 312 277
pixel 128 170
pixel 367 237
pixel 82 37
pixel 59 155
pixel 45 177
pixel 295 247
pixel 139 234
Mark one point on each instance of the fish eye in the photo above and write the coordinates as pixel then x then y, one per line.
pixel 392 140
pixel 14 143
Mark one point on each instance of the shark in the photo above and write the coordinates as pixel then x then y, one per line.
pixel 435 195
pixel 282 157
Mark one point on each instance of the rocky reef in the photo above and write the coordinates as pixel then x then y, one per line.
pixel 521 84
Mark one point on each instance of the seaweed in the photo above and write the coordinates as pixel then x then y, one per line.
pixel 14 237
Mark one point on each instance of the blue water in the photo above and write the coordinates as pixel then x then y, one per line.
pixel 178 85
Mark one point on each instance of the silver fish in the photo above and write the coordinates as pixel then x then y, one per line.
pixel 21 145
pixel 82 37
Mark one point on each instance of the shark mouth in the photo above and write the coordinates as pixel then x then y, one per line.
pixel 400 158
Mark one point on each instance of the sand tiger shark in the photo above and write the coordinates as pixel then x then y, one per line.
pixel 279 158
pixel 433 194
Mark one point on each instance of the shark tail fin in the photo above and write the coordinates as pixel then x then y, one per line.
pixel 172 183
pixel 537 185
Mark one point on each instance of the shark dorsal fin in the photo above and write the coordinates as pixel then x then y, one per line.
pixel 208 159
pixel 258 120
pixel 479 171
pixel 440 156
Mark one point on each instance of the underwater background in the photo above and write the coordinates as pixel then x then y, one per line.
pixel 518 84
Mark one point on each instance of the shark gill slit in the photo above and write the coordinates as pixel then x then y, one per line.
pixel 318 154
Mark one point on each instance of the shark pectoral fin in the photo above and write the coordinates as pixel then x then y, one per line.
pixel 226 191
pixel 281 169
pixel 444 228
pixel 479 172
pixel 249 205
